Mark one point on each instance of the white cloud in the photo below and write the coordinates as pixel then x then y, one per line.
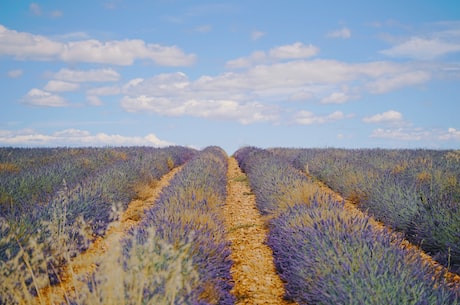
pixel 301 95
pixel 204 108
pixel 108 90
pixel 304 117
pixel 402 134
pixel 95 75
pixel 335 98
pixel 343 33
pixel 256 35
pixel 432 136
pixel 15 73
pixel 26 46
pixel 296 50
pixel 390 116
pixel 326 81
pixel 61 86
pixel 395 81
pixel 124 53
pixel 37 97
pixel 76 137
pixel 94 100
pixel 168 84
pixel 422 48
pixel 245 62
pixel 451 134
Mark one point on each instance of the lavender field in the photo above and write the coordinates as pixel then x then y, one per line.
pixel 57 203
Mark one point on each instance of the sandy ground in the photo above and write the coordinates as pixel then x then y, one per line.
pixel 256 281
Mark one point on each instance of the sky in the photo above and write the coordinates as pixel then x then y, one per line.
pixel 348 74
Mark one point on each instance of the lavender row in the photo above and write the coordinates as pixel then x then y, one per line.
pixel 324 254
pixel 33 176
pixel 188 212
pixel 416 192
pixel 82 206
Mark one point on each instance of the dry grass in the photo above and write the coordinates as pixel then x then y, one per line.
pixel 104 274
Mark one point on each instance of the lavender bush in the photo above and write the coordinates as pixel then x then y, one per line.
pixel 107 178
pixel 416 192
pixel 189 212
pixel 326 256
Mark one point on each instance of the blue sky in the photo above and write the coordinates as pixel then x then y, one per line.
pixel 352 74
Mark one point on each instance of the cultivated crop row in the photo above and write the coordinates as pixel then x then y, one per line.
pixel 55 201
pixel 325 254
pixel 179 252
pixel 188 215
pixel 416 192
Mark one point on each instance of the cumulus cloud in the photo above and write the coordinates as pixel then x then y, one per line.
pixel 205 108
pixel 451 134
pixel 27 46
pixel 76 137
pixel 175 95
pixel 107 90
pixel 301 95
pixel 390 116
pixel 61 86
pixel 402 134
pixel 94 100
pixel 40 98
pixel 304 117
pixel 296 50
pixel 422 48
pixel 326 81
pixel 79 76
pixel 343 33
pixel 395 81
pixel 335 98
pixel 406 133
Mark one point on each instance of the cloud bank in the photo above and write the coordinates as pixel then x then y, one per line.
pixel 27 46
pixel 76 137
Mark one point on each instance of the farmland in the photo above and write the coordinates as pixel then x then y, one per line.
pixel 175 225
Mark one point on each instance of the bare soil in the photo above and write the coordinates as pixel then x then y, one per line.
pixel 253 271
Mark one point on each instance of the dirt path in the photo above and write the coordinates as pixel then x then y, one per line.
pixel 85 264
pixel 256 281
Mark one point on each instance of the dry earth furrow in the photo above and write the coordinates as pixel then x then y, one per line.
pixel 253 271
pixel 84 264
